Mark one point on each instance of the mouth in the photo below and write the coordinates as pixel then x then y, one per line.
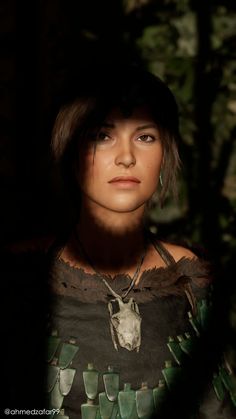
pixel 124 179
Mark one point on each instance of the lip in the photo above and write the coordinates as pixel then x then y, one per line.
pixel 124 179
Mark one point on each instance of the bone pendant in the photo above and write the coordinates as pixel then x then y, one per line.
pixel 126 325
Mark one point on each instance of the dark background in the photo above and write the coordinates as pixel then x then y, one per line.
pixel 191 45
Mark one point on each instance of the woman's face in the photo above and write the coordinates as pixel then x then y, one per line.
pixel 119 169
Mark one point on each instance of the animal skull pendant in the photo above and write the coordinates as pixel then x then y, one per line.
pixel 125 324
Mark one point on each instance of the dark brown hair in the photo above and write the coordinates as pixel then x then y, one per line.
pixel 126 89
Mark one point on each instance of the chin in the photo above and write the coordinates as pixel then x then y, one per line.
pixel 126 208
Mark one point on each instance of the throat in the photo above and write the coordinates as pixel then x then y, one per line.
pixel 106 254
pixel 112 255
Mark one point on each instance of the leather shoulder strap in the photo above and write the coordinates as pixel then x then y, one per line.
pixel 163 252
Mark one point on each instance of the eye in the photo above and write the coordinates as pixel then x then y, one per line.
pixel 103 136
pixel 146 138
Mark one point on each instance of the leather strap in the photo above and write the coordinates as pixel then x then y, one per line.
pixel 163 252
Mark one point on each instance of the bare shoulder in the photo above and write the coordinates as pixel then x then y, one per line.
pixel 178 252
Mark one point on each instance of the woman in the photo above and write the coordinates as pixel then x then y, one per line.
pixel 128 312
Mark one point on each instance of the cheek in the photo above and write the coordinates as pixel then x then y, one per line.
pixel 153 166
pixel 91 169
pixel 152 172
pixel 154 156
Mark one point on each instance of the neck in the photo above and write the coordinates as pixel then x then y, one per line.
pixel 114 242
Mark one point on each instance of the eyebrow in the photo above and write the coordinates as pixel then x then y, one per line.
pixel 146 126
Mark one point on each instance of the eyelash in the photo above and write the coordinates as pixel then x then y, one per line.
pixel 140 138
pixel 148 136
pixel 101 133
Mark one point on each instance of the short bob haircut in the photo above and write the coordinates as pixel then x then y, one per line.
pixel 126 89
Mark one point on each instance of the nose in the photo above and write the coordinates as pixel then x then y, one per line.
pixel 125 154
